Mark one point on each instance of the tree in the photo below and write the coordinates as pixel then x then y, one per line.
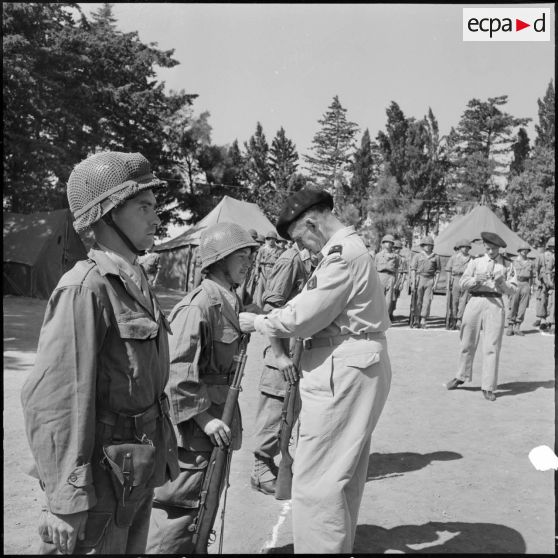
pixel 520 152
pixel 365 170
pixel 73 87
pixel 546 136
pixel 478 147
pixel 282 160
pixel 332 148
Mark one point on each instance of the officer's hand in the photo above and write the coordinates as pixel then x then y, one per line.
pixel 219 432
pixel 65 529
pixel 246 320
pixel 287 368
pixel 481 277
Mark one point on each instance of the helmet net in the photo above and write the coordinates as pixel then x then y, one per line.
pixel 222 239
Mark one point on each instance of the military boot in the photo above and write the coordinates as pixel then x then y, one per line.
pixel 264 475
pixel 510 330
pixel 518 331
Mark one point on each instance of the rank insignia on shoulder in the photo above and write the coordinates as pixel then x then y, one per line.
pixel 312 283
pixel 337 249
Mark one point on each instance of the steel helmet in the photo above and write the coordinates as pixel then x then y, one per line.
pixel 427 240
pixel 397 244
pixel 524 246
pixel 462 242
pixel 221 240
pixel 388 238
pixel 271 234
pixel 550 243
pixel 104 181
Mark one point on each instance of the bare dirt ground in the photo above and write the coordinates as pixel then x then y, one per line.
pixel 449 471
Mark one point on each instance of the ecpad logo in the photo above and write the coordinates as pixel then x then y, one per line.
pixel 506 24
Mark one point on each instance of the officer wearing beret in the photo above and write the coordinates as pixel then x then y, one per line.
pixel 345 371
pixel 455 268
pixel 426 265
pixel 387 265
pixel 487 278
pixel 524 270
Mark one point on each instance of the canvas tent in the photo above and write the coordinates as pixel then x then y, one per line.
pixel 38 249
pixel 178 254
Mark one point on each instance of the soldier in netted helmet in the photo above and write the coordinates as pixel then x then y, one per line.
pixel 95 411
pixel 206 337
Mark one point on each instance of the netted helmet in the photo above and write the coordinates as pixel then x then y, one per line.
pixel 222 239
pixel 104 181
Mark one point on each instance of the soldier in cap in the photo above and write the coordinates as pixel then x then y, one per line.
pixel 94 405
pixel 487 278
pixel 544 268
pixel 387 263
pixel 265 259
pixel 206 337
pixel 285 281
pixel 524 270
pixel 402 272
pixel 345 371
pixel 455 268
pixel 426 265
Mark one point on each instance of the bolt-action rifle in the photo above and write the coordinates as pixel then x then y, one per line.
pixel 217 475
pixel 449 302
pixel 289 415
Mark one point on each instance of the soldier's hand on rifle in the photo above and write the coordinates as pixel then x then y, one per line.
pixel 216 429
pixel 287 368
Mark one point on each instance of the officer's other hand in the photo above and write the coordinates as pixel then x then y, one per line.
pixel 65 529
pixel 219 432
pixel 481 277
pixel 287 368
pixel 246 320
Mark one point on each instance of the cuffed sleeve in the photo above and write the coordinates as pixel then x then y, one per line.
pixel 58 398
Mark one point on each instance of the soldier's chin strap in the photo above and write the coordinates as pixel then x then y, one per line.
pixel 110 222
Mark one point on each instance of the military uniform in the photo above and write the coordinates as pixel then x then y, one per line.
pixel 150 262
pixel 285 281
pixel 265 260
pixel 345 380
pixel 427 266
pixel 206 338
pixel 455 268
pixel 387 265
pixel 484 312
pixel 402 273
pixel 524 270
pixel 102 358
pixel 544 268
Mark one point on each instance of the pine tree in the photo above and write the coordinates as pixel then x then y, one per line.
pixel 282 161
pixel 332 147
pixel 520 150
pixel 478 149
pixel 547 113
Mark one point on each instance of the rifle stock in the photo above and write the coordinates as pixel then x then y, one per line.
pixel 284 481
pixel 449 303
pixel 217 467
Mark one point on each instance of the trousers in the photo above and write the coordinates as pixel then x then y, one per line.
pixel 484 315
pixel 424 296
pixel 343 391
pixel 388 282
pixel 459 298
pixel 519 302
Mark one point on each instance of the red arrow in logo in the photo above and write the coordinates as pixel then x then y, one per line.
pixel 519 25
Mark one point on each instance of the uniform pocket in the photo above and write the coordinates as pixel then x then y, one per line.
pixel 136 325
pixel 362 361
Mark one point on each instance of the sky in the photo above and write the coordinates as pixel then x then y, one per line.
pixel 282 64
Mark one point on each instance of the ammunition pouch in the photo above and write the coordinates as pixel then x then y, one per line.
pixel 130 467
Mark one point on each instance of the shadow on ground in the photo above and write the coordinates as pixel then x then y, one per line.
pixel 513 388
pixel 433 538
pixel 383 465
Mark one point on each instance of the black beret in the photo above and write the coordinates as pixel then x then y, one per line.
pixel 297 204
pixel 493 238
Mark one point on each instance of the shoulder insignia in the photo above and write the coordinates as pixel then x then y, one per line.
pixel 337 249
pixel 312 283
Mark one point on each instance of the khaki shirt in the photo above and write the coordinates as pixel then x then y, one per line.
pixel 265 259
pixel 426 264
pixel 457 263
pixel 205 340
pixel 387 261
pixel 494 268
pixel 102 345
pixel 285 280
pixel 524 269
pixel 343 296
